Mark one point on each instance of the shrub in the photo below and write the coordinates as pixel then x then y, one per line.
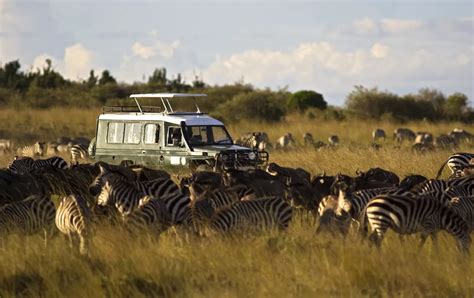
pixel 302 100
pixel 258 105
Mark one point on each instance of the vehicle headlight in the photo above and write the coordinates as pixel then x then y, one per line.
pixel 252 156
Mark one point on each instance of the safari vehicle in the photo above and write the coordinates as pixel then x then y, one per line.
pixel 158 137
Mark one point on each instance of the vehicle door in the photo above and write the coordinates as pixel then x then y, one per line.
pixel 152 153
pixel 175 150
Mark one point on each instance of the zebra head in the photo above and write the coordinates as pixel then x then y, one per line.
pixel 105 198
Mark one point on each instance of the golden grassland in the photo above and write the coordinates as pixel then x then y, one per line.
pixel 273 263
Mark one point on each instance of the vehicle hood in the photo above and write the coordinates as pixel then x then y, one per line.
pixel 219 148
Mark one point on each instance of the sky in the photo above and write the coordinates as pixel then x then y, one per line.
pixel 327 46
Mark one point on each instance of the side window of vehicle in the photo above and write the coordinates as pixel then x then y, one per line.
pixel 152 133
pixel 115 132
pixel 174 136
pixel 132 133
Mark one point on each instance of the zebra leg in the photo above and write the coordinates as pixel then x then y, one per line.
pixel 377 236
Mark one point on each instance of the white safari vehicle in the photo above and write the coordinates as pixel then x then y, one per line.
pixel 156 136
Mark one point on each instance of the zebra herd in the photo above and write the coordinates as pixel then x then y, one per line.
pixel 205 203
pixel 420 141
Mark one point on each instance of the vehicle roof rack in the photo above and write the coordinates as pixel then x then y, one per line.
pixel 164 99
pixel 131 109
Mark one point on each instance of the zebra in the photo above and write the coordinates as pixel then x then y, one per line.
pixel 333 140
pixel 377 134
pixel 24 164
pixel 114 189
pixel 285 141
pixel 259 213
pixel 464 207
pixel 456 163
pixel 151 214
pixel 74 219
pixel 329 219
pixel 463 190
pixel 30 216
pixel 406 215
pixel 253 140
pixel 35 150
pixel 308 139
pixel 79 151
pixel 401 134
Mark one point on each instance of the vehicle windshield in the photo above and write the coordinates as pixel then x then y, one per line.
pixel 207 135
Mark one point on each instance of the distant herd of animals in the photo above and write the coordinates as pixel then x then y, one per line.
pixel 137 199
pixel 421 141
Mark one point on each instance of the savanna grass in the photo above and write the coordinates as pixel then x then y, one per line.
pixel 268 264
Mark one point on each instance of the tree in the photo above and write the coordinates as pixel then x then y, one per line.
pixel 305 99
pixel 92 80
pixel 107 78
pixel 158 77
pixel 455 106
pixel 435 97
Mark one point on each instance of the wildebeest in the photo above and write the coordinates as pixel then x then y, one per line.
pixel 377 134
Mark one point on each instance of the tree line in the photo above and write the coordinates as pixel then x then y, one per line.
pixel 45 87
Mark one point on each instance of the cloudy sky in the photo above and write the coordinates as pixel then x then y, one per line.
pixel 328 46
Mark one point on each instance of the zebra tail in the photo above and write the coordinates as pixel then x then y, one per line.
pixel 441 169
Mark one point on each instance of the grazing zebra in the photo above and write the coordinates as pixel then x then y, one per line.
pixel 120 193
pixel 259 213
pixel 456 163
pixel 329 219
pixel 424 138
pixel 401 134
pixel 445 141
pixel 333 140
pixel 308 139
pixel 406 215
pixel 151 214
pixel 355 202
pixel 285 141
pixel 79 151
pixel 464 207
pixel 23 164
pixel 32 215
pixel 377 134
pixel 73 218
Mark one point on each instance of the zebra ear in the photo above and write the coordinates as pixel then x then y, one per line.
pixel 103 170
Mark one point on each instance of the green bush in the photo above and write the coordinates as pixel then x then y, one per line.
pixel 302 100
pixel 258 105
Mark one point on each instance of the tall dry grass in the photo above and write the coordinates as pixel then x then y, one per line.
pixel 267 264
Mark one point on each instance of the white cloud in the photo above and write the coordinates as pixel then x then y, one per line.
pixel 158 48
pixel 75 64
pixel 379 50
pixel 78 61
pixel 398 26
pixel 366 26
pixel 329 69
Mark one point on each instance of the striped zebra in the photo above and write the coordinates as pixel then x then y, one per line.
pixel 79 151
pixel 406 215
pixel 23 164
pixel 74 219
pixel 151 214
pixel 464 190
pixel 328 218
pixel 259 213
pixel 464 207
pixel 401 134
pixel 115 190
pixel 33 215
pixel 212 202
pixel 456 163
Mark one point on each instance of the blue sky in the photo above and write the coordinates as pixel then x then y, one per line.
pixel 328 46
